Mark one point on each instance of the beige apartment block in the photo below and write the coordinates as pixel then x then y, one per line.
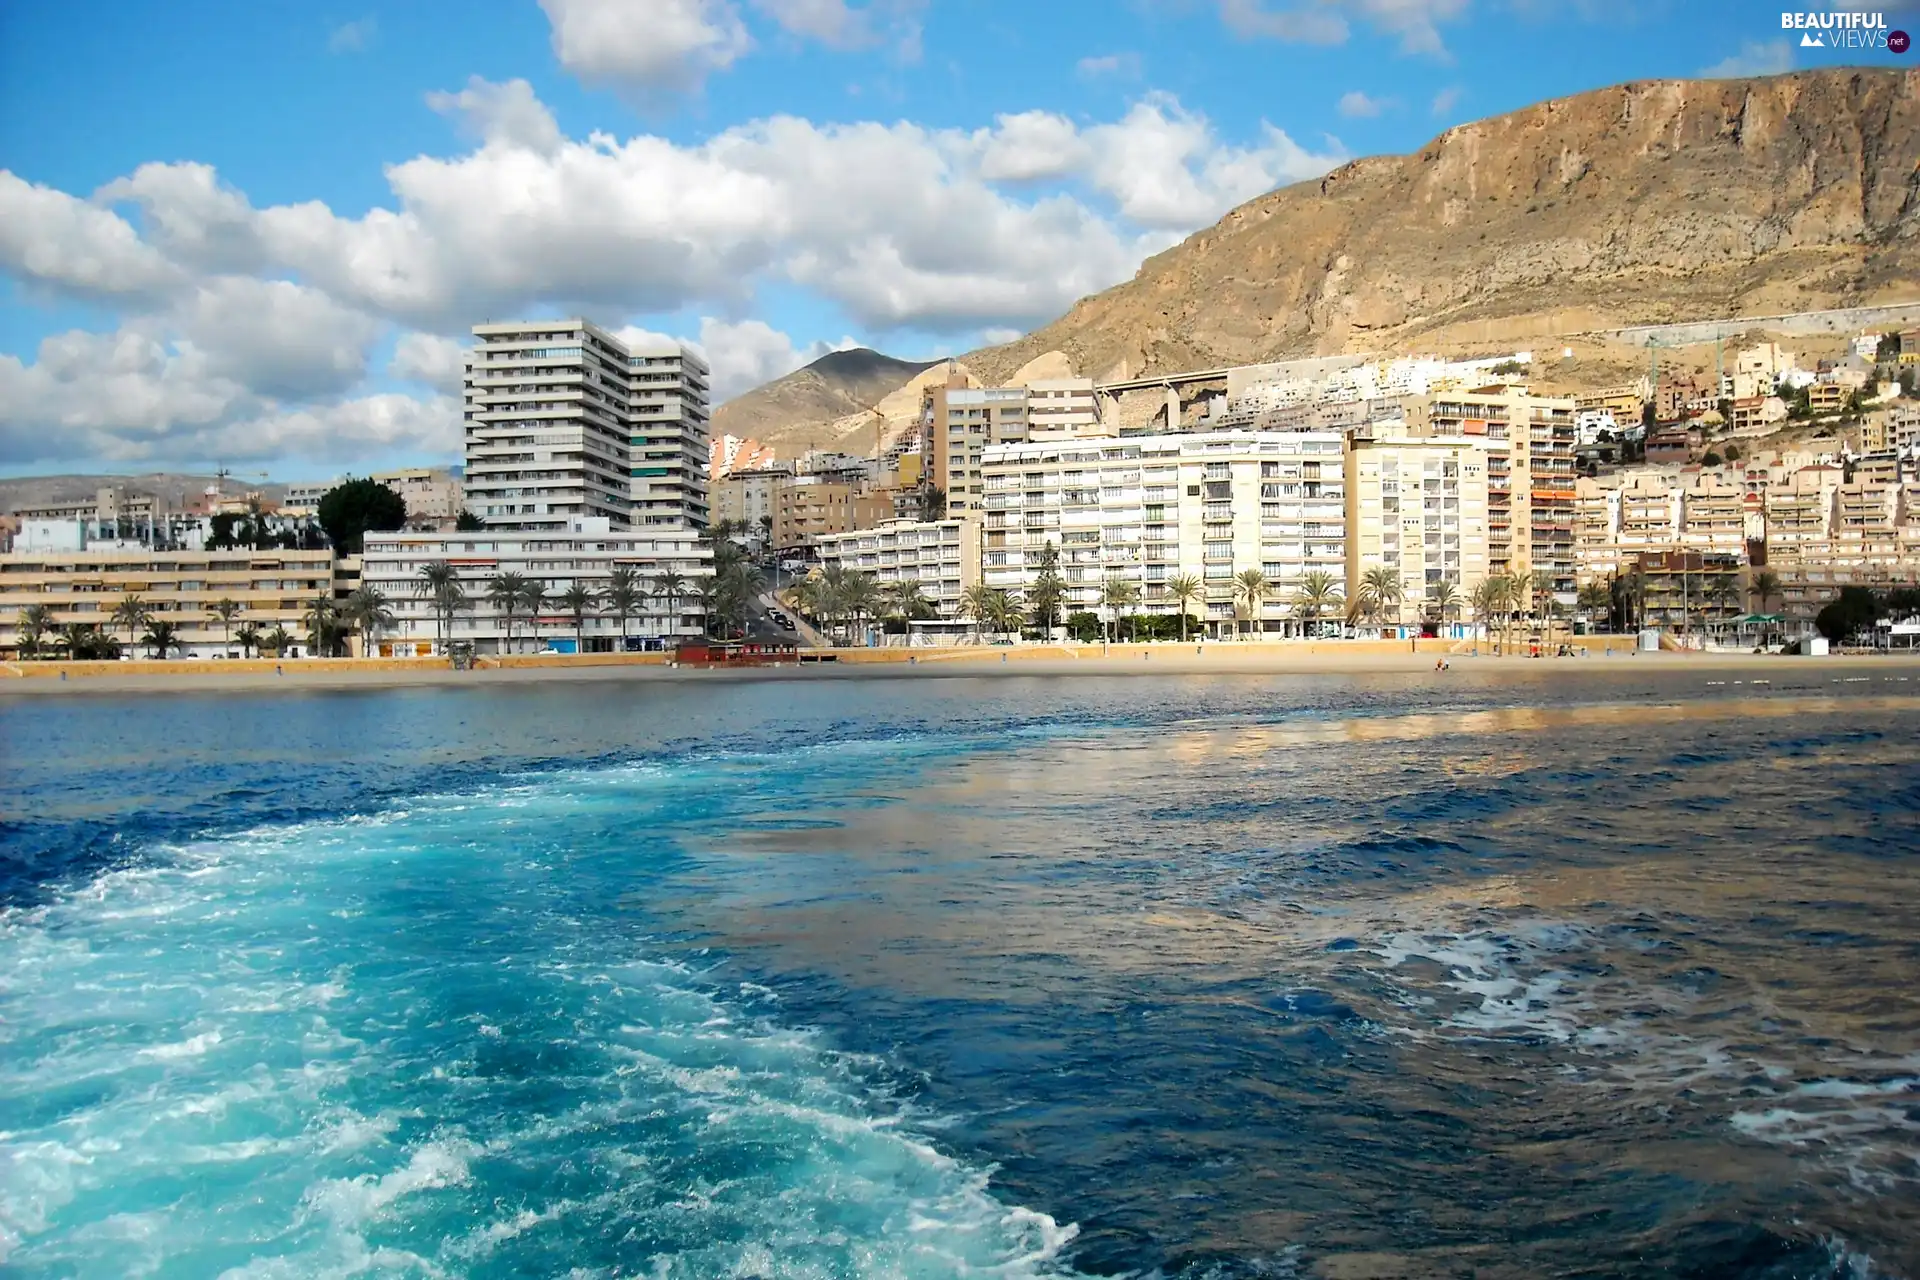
pixel 806 508
pixel 273 589
pixel 966 421
pixel 1146 509
pixel 1417 506
pixel 747 498
pixel 1596 528
pixel 1064 408
pixel 1713 514
pixel 1530 479
pixel 943 556
pixel 432 495
pixel 1799 511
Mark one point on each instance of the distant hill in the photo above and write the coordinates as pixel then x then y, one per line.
pixel 798 412
pixel 1648 202
pixel 176 487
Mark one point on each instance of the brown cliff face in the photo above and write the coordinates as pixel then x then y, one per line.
pixel 1646 202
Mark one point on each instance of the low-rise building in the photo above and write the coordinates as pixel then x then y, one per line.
pixel 433 496
pixel 586 551
pixel 746 499
pixel 273 589
pixel 942 556
pixel 807 507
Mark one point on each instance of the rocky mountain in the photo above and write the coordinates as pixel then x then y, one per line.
pixel 799 411
pixel 1646 202
pixel 177 488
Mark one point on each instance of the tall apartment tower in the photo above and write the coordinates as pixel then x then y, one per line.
pixel 565 420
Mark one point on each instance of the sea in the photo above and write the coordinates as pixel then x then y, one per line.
pixel 1563 969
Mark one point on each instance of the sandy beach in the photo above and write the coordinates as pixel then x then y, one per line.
pixel 1329 658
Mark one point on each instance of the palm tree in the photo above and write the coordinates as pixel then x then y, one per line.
pixel 1520 595
pixel 579 600
pixel 366 611
pixel 533 598
pixel 1489 600
pixel 1724 590
pixel 1184 589
pixel 505 591
pixel 977 604
pixel 1251 587
pixel 1047 591
pixel 1317 595
pixel 1443 600
pixel 1380 590
pixel 1763 586
pixel 1593 598
pixel 672 588
pixel 449 600
pixel 323 624
pixel 161 639
pixel 438 582
pixel 1115 595
pixel 249 637
pixel 80 641
pixel 906 601
pixel 278 640
pixel 859 596
pixel 35 621
pixel 133 614
pixel 225 611
pixel 1004 611
pixel 624 596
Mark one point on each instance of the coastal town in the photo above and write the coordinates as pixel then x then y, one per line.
pixel 1344 497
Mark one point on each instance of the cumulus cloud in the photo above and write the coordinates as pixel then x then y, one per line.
pixel 1446 100
pixel 427 357
pixel 1122 65
pixel 1756 58
pixel 646 45
pixel 352 37
pixel 839 25
pixel 1415 23
pixel 237 312
pixel 748 353
pixel 1356 105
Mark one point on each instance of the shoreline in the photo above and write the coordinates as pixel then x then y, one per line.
pixel 1326 658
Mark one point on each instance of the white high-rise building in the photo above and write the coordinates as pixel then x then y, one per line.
pixel 563 420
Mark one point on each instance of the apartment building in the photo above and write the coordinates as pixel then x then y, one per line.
pixel 274 590
pixel 565 420
pixel 746 499
pixel 585 550
pixel 1064 408
pixel 1799 510
pixel 433 496
pixel 1146 509
pixel 1903 425
pixel 1417 505
pixel 966 422
pixel 943 556
pixel 1596 528
pixel 1530 478
pixel 806 508
pixel 1713 514
pixel 1623 402
pixel 1756 415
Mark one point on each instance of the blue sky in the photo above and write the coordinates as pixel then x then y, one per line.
pixel 255 233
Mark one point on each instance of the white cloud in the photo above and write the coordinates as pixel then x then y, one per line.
pixel 1446 100
pixel 507 114
pixel 646 46
pixel 1356 105
pixel 240 314
pixel 1416 23
pixel 352 37
pixel 1756 58
pixel 839 25
pixel 998 336
pixel 49 238
pixel 1123 65
pixel 427 357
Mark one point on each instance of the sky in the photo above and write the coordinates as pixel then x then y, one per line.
pixel 256 234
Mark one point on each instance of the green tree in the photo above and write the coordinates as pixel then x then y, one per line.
pixel 1317 595
pixel 467 522
pixel 933 503
pixel 1380 590
pixel 1443 600
pixel 1724 590
pixel 1593 598
pixel 224 612
pixel 1049 590
pixel 35 621
pixel 249 637
pixel 1763 586
pixel 367 611
pixel 505 592
pixel 161 639
pixel 579 600
pixel 1117 594
pixel 906 601
pixel 858 596
pixel 1854 611
pixel 672 588
pixel 624 596
pixel 1490 599
pixel 440 583
pixel 1186 590
pixel 533 599
pixel 977 604
pixel 354 508
pixel 1252 588
pixel 133 614
pixel 279 640
pixel 322 620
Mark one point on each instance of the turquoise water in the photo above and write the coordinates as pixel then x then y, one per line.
pixel 960 977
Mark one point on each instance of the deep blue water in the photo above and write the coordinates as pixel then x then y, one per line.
pixel 1583 972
